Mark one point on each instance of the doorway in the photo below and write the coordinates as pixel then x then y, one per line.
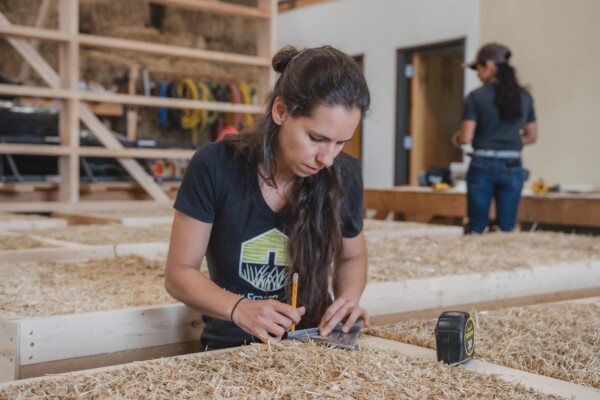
pixel 429 100
pixel 354 146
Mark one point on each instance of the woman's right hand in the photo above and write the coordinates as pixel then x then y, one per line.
pixel 266 319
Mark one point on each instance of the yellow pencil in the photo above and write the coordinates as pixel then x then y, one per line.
pixel 294 295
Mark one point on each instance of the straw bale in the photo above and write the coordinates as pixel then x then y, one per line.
pixel 99 16
pixel 11 61
pixel 402 258
pixel 20 241
pixel 24 12
pixel 560 340
pixel 231 34
pixel 141 33
pixel 287 370
pixel 107 234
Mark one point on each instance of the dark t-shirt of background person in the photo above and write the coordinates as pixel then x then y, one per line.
pixel 247 251
pixel 491 131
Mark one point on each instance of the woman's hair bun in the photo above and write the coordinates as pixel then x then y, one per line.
pixel 283 57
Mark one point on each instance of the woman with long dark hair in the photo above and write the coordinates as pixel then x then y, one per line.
pixel 498 119
pixel 280 200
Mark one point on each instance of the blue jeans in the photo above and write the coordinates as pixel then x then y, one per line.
pixel 490 178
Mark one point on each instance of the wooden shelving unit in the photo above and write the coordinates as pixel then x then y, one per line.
pixel 62 84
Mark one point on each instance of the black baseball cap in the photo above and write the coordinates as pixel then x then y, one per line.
pixel 491 51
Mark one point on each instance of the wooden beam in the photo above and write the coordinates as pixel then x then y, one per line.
pixel 416 200
pixel 433 230
pixel 561 209
pixel 543 384
pixel 215 7
pixel 88 151
pixel 105 332
pixel 446 291
pixel 149 101
pixel 36 91
pixel 154 101
pixel 48 206
pixel 39 23
pixel 27 32
pixel 173 51
pixel 42 223
pixel 101 109
pixel 267 34
pixel 561 296
pixel 9 345
pixel 68 59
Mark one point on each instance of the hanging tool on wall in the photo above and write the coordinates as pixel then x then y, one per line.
pixel 246 93
pixel 191 118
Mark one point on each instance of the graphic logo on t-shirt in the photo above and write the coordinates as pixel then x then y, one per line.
pixel 264 260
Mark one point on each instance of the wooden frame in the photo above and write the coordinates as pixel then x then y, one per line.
pixel 74 217
pixel 78 251
pixel 63 85
pixel 389 298
pixel 29 223
pixel 175 324
pixel 33 344
pixel 422 204
pixel 540 383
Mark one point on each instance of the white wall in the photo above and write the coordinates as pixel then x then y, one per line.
pixel 556 52
pixel 376 29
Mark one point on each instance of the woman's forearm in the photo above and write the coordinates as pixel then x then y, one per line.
pixel 188 285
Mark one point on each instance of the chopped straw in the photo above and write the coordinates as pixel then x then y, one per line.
pixel 20 217
pixel 107 234
pixel 559 340
pixel 56 288
pixel 402 258
pixel 20 241
pixel 286 370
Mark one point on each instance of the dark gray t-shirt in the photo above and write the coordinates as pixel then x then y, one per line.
pixel 492 132
pixel 247 251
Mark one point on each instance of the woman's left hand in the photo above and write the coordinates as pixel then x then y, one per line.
pixel 342 310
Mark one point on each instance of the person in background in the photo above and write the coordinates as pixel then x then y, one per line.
pixel 283 199
pixel 498 120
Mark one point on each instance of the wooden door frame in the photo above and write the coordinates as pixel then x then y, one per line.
pixel 403 57
pixel 360 60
